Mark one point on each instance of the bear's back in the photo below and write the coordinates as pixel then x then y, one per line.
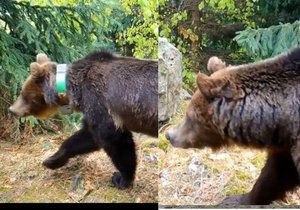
pixel 269 113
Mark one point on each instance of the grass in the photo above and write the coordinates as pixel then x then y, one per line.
pixel 204 177
pixel 24 179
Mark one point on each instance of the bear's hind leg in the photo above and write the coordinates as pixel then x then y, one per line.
pixel 121 150
pixel 80 142
pixel 278 176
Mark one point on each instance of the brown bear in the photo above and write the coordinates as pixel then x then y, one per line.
pixel 254 105
pixel 116 95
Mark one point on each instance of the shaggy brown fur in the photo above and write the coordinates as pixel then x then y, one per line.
pixel 116 94
pixel 254 105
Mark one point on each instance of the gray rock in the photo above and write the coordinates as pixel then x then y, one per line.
pixel 184 95
pixel 170 79
pixel 195 165
pixel 164 180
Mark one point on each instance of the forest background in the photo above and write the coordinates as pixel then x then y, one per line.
pixel 238 31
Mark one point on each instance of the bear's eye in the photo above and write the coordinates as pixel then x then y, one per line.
pixel 39 100
pixel 189 122
pixel 24 98
pixel 192 122
pixel 39 80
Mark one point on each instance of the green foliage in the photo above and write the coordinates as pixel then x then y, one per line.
pixel 276 30
pixel 72 121
pixel 58 31
pixel 267 42
pixel 31 120
pixel 230 10
pixel 196 33
pixel 278 11
pixel 189 76
pixel 143 33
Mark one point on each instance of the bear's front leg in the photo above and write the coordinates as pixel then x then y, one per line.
pixel 80 142
pixel 278 176
pixel 121 150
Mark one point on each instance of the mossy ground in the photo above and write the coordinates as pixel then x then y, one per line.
pixel 204 177
pixel 24 179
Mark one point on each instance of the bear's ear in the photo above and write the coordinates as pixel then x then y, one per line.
pixel 42 58
pixel 37 71
pixel 215 64
pixel 213 88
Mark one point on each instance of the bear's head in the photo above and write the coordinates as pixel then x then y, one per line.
pixel 38 96
pixel 198 130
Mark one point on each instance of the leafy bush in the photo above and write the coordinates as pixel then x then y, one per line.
pixel 142 35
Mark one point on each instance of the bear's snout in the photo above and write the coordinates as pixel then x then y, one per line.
pixel 176 138
pixel 19 108
pixel 167 135
pixel 15 112
pixel 170 135
pixel 12 111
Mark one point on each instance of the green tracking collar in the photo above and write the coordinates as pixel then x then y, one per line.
pixel 61 75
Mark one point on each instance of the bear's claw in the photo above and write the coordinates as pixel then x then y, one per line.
pixel 119 182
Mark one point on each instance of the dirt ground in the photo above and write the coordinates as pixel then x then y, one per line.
pixel 171 175
pixel 203 177
pixel 86 178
